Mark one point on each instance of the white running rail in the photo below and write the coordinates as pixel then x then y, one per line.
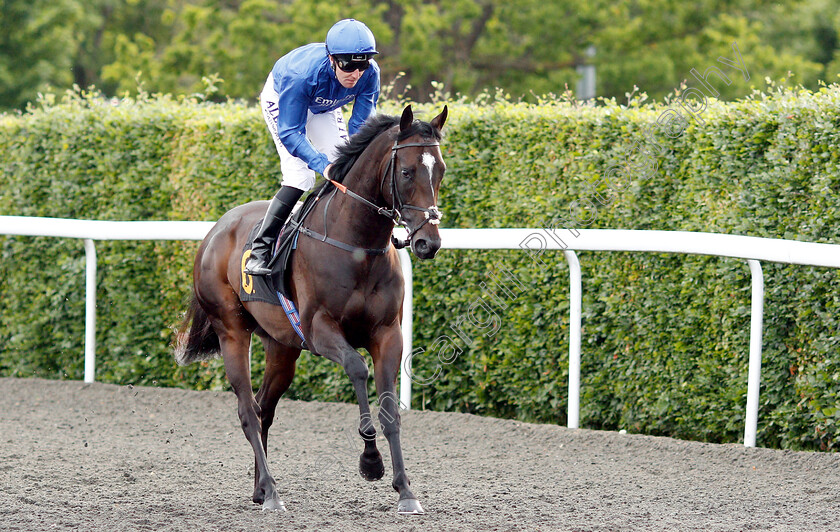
pixel 533 241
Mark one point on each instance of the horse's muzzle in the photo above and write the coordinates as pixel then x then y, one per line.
pixel 425 248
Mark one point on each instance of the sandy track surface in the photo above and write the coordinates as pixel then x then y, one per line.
pixel 104 457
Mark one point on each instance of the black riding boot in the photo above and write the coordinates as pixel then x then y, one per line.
pixel 275 216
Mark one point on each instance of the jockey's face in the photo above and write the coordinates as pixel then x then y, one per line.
pixel 348 80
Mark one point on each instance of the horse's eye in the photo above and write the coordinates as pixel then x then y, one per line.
pixel 406 174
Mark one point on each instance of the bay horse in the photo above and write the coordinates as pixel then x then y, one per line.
pixel 348 287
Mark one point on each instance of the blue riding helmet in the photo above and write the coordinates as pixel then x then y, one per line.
pixel 350 37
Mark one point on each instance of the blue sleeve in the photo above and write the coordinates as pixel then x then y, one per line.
pixel 293 102
pixel 365 103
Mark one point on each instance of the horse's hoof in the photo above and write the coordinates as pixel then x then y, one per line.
pixel 409 507
pixel 371 469
pixel 273 505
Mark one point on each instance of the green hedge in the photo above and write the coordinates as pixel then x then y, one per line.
pixel 665 337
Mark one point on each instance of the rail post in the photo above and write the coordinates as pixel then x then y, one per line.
pixel 575 296
pixel 407 330
pixel 90 310
pixel 756 330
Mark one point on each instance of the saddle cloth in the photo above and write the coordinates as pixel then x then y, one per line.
pixel 274 288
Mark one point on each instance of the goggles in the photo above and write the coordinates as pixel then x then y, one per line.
pixel 350 63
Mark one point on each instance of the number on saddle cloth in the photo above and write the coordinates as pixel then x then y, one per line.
pixel 266 288
pixel 274 288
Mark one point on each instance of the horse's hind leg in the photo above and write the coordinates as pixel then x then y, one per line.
pixel 280 363
pixel 234 343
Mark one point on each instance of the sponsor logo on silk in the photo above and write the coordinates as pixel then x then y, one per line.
pixel 328 102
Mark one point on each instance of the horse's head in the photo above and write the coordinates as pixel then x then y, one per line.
pixel 417 169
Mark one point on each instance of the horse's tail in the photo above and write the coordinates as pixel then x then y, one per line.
pixel 196 340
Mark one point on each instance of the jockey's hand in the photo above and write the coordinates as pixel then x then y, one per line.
pixel 327 171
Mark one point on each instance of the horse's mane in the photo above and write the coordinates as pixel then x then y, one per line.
pixel 350 151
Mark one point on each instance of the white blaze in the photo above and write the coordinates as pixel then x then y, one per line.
pixel 429 162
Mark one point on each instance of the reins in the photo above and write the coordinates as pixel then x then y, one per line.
pixel 298 226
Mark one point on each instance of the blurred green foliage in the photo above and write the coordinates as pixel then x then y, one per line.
pixel 665 337
pixel 525 47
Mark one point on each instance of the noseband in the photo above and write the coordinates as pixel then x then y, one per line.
pixel 432 214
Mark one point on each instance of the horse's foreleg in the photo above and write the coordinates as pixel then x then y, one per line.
pixel 330 344
pixel 280 363
pixel 387 353
pixel 371 466
pixel 237 367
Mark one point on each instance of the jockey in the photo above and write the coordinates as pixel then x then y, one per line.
pixel 301 103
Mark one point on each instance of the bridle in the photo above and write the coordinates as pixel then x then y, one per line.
pixel 432 214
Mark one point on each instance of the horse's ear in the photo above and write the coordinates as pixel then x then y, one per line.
pixel 407 118
pixel 438 121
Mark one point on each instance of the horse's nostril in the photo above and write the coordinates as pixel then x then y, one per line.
pixel 421 246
